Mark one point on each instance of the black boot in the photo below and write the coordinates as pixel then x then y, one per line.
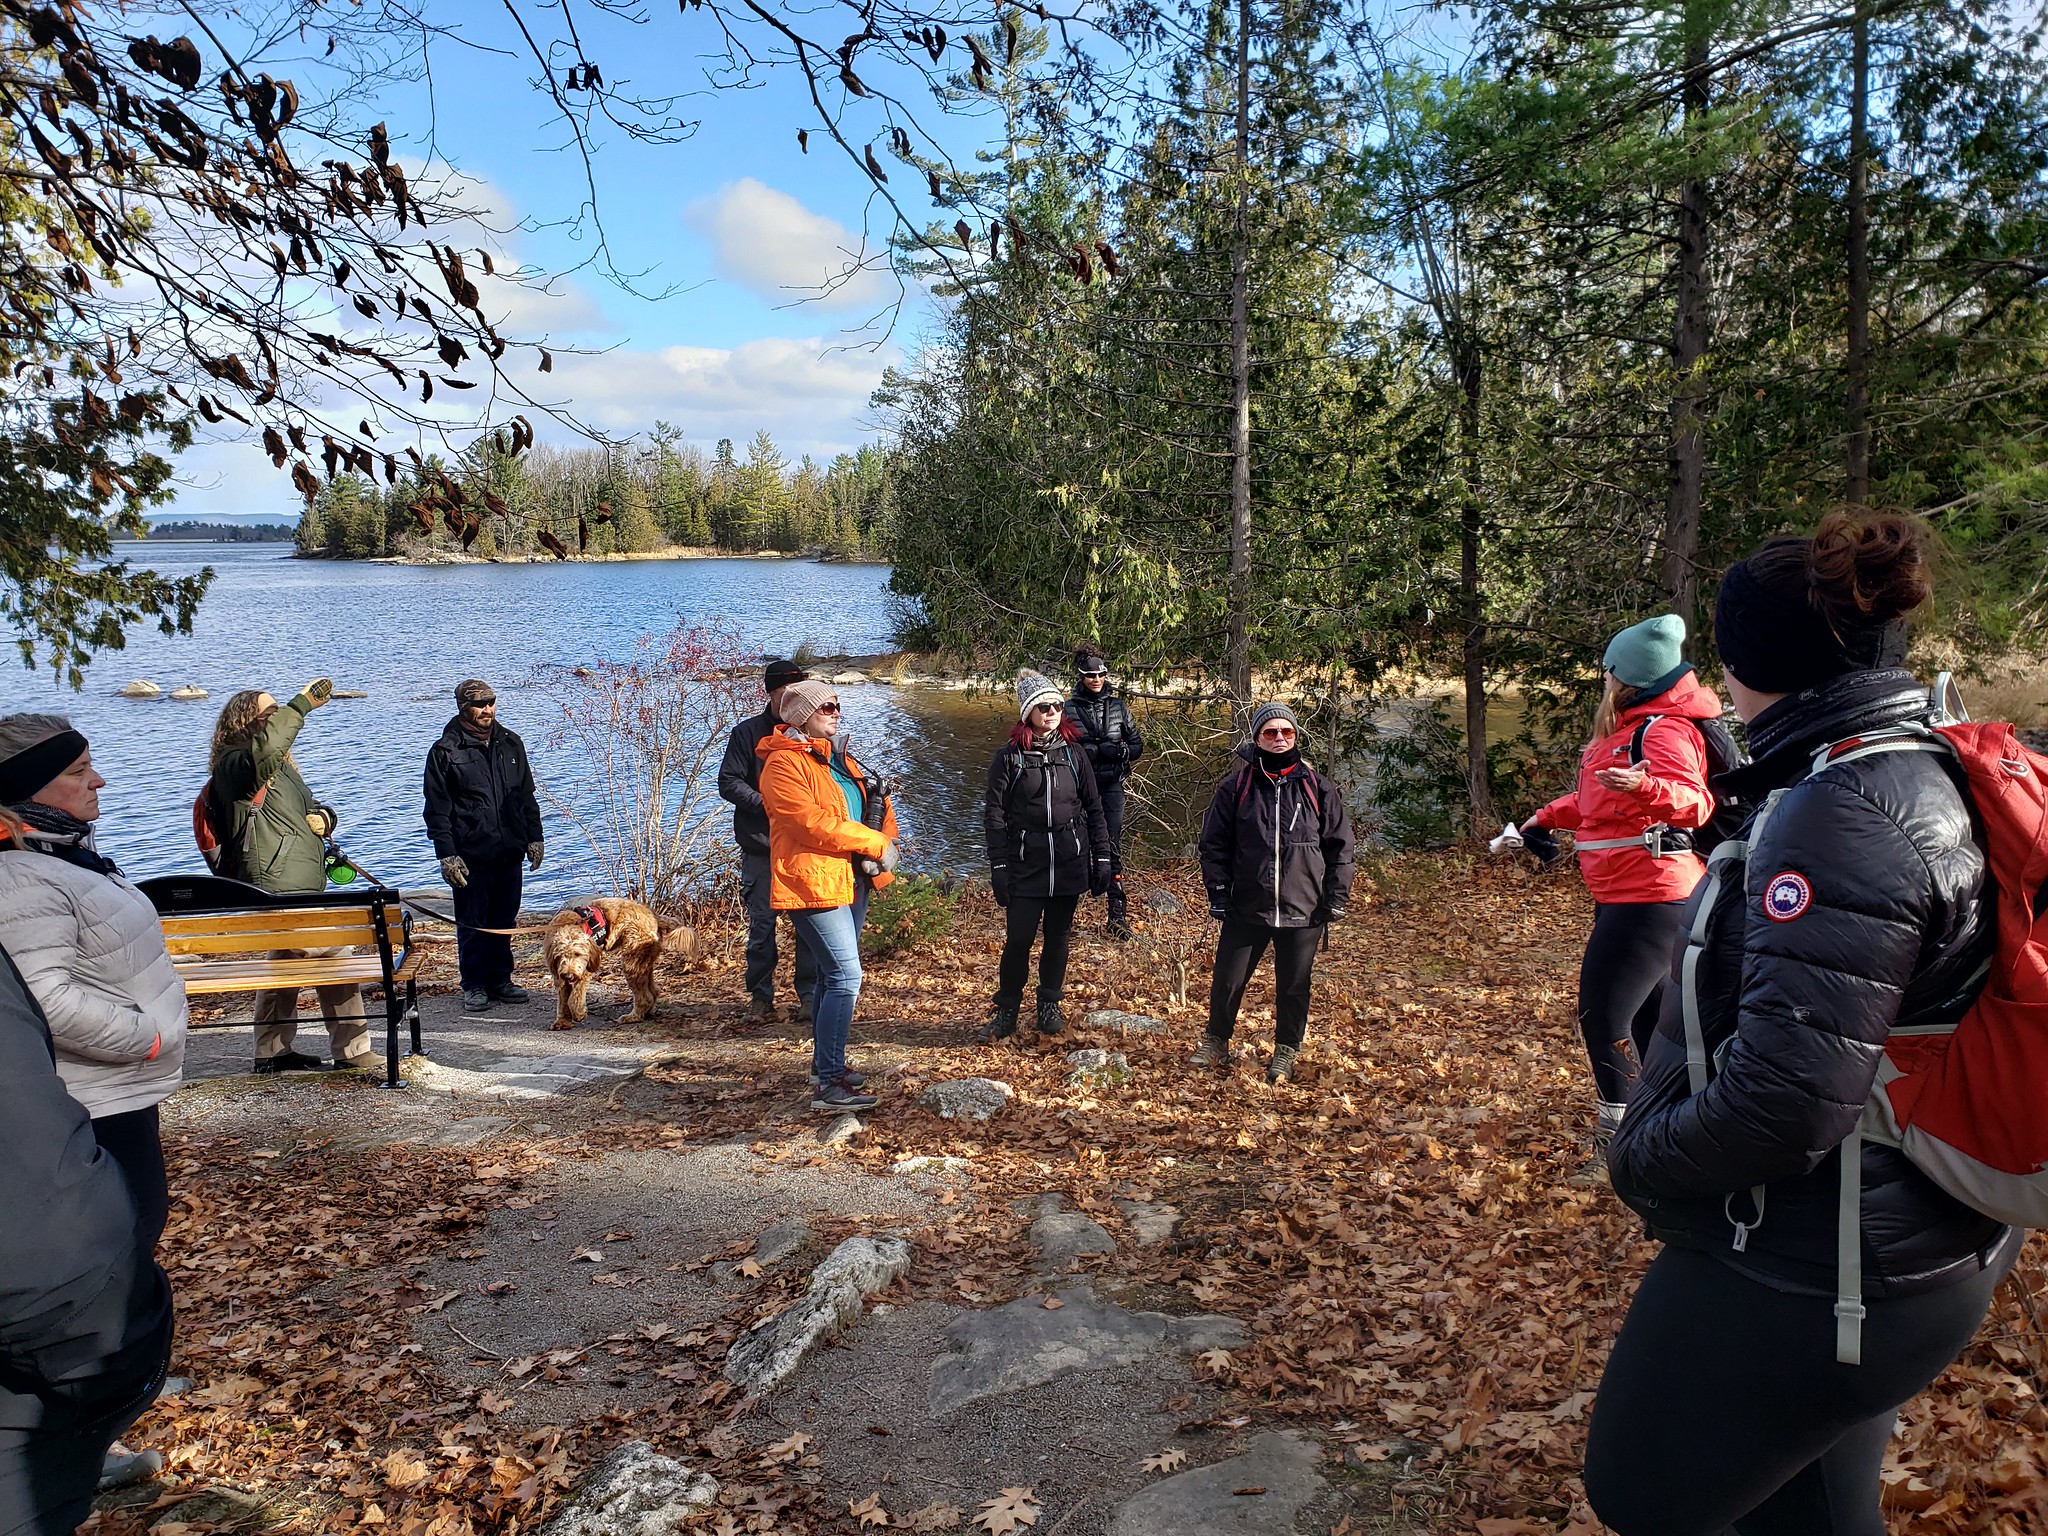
pixel 1119 923
pixel 1002 1021
pixel 1050 1020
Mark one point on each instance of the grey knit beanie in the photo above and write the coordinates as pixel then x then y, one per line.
pixel 1035 688
pixel 800 701
pixel 1274 710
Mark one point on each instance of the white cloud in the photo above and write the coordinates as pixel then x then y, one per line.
pixel 772 245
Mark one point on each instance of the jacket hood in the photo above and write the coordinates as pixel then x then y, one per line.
pixel 1688 697
pixel 779 740
pixel 1784 737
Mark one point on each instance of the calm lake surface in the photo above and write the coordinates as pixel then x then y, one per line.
pixel 406 635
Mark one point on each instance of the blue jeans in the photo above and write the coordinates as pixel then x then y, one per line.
pixel 832 935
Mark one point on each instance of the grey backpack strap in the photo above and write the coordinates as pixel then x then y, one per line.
pixel 1849 1308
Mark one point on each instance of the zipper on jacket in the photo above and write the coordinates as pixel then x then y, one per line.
pixel 1052 853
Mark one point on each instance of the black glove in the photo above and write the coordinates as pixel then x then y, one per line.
pixel 999 884
pixel 1111 752
pixel 1333 912
pixel 1098 881
pixel 1219 903
pixel 1539 841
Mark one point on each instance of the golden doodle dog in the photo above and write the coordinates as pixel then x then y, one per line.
pixel 579 938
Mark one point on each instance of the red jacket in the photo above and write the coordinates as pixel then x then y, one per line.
pixel 1675 794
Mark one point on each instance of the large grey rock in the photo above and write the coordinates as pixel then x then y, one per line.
pixel 1063 1236
pixel 967 1098
pixel 839 1130
pixel 1125 1023
pixel 1022 1344
pixel 1205 1502
pixel 1162 901
pixel 1152 1221
pixel 781 1240
pixel 635 1491
pixel 1095 1068
pixel 769 1354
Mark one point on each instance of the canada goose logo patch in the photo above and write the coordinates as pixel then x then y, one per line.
pixel 1786 897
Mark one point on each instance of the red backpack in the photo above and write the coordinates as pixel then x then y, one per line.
pixel 1966 1102
pixel 212 833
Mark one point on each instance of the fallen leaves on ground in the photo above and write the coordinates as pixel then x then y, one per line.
pixel 1012 1509
pixel 1171 1460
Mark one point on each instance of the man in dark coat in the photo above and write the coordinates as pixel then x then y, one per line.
pixel 1110 738
pixel 484 819
pixel 85 1313
pixel 1277 859
pixel 739 781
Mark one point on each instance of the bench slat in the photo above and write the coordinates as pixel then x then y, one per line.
pixel 262 943
pixel 206 978
pixel 271 920
pixel 410 968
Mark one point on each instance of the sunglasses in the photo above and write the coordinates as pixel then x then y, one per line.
pixel 1277 733
pixel 1046 709
pixel 828 709
pixel 482 703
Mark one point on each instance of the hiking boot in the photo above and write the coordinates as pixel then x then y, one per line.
pixel 850 1080
pixel 367 1062
pixel 761 1010
pixel 475 1000
pixel 836 1099
pixel 508 992
pixel 1050 1020
pixel 803 1011
pixel 124 1466
pixel 289 1061
pixel 1119 927
pixel 1002 1021
pixel 1281 1068
pixel 1214 1051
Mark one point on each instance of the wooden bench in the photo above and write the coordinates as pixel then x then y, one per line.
pixel 221 933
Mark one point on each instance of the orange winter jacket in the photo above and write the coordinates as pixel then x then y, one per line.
pixel 1675 794
pixel 811 843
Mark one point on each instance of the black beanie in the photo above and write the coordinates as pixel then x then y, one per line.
pixel 1774 639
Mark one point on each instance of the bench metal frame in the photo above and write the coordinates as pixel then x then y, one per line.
pixel 204 918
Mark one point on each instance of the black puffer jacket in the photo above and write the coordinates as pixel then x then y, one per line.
pixel 739 781
pixel 1880 913
pixel 85 1314
pixel 1108 733
pixel 1043 817
pixel 480 799
pixel 1281 846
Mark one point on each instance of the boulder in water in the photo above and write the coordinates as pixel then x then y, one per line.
pixel 187 692
pixel 141 688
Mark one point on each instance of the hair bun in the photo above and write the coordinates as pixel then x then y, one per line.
pixel 1869 567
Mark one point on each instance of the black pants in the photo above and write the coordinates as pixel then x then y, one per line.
pixel 1238 949
pixel 133 1140
pixel 1620 986
pixel 1723 1408
pixel 490 900
pixel 755 890
pixel 1113 813
pixel 1021 923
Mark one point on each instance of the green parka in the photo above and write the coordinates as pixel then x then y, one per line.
pixel 273 845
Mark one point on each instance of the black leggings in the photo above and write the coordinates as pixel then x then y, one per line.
pixel 1021 921
pixel 1238 950
pixel 1723 1408
pixel 1620 984
pixel 133 1140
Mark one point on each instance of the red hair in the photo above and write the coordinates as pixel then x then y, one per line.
pixel 1021 734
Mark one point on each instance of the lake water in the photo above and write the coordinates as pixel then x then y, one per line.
pixel 405 635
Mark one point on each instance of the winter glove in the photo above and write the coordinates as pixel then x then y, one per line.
pixel 322 821
pixel 1335 910
pixel 534 850
pixel 1098 881
pixel 317 692
pixel 455 871
pixel 891 857
pixel 1539 841
pixel 1219 903
pixel 999 884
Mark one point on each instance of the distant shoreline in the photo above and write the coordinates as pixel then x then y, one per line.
pixel 672 552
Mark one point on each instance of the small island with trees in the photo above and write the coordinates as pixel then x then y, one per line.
pixel 196 532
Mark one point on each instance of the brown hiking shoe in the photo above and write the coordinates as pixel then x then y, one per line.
pixel 1281 1068
pixel 1212 1052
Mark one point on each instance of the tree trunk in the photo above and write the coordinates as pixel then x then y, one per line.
pixel 1687 454
pixel 1471 609
pixel 1240 652
pixel 1856 406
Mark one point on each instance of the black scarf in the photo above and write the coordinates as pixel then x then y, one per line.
pixel 1277 763
pixel 62 836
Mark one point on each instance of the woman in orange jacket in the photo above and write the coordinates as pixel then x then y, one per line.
pixel 1639 794
pixel 823 860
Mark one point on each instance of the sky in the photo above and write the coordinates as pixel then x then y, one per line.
pixel 725 238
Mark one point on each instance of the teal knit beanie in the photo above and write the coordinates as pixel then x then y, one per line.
pixel 1649 655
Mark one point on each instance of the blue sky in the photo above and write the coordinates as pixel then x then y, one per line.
pixel 722 232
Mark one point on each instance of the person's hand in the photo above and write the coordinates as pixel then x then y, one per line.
pixel 1219 903
pixel 1627 780
pixel 317 692
pixel 322 821
pixel 1098 878
pixel 534 850
pixel 1335 909
pixel 455 871
pixel 890 857
pixel 1540 842
pixel 999 885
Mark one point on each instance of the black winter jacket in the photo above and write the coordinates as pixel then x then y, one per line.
pixel 1043 816
pixel 85 1314
pixel 739 781
pixel 1881 913
pixel 480 800
pixel 1108 734
pixel 1281 847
